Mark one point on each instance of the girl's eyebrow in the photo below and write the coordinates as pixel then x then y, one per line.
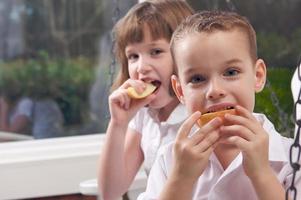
pixel 158 42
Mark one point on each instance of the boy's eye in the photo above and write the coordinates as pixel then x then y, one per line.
pixel 231 72
pixel 156 51
pixel 197 79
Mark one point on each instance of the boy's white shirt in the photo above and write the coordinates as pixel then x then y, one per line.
pixel 154 133
pixel 232 183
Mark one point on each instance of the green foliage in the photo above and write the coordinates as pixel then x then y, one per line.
pixel 296 44
pixel 66 81
pixel 280 83
pixel 274 48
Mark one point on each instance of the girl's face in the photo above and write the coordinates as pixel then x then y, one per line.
pixel 216 72
pixel 151 61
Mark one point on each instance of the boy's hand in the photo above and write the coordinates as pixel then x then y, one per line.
pixel 248 135
pixel 122 107
pixel 191 154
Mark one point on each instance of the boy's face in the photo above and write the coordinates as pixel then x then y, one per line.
pixel 215 71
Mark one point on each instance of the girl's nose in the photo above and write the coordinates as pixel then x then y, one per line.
pixel 143 66
pixel 215 90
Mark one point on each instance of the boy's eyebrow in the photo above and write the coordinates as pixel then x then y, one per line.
pixel 232 61
pixel 189 70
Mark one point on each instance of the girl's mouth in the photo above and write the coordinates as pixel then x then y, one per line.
pixel 157 84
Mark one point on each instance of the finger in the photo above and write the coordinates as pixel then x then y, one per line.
pixel 207 129
pixel 117 97
pixel 208 141
pixel 239 142
pixel 237 130
pixel 187 125
pixel 244 112
pixel 246 120
pixel 205 154
pixel 139 103
pixel 138 85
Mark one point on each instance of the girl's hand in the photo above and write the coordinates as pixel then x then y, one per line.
pixel 122 107
pixel 191 154
pixel 248 135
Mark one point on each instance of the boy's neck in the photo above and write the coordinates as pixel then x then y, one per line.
pixel 226 154
pixel 165 112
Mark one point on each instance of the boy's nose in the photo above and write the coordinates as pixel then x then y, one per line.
pixel 215 90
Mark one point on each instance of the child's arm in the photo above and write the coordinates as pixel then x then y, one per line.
pixel 121 156
pixel 250 137
pixel 191 155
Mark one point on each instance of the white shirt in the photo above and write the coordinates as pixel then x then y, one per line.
pixel 156 133
pixel 232 183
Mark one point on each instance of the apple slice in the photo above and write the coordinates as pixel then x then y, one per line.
pixel 205 118
pixel 150 88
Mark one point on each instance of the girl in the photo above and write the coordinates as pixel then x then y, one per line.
pixel 138 128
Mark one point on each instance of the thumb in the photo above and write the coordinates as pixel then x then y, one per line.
pixel 187 125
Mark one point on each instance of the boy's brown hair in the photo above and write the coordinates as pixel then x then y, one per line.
pixel 210 21
pixel 161 17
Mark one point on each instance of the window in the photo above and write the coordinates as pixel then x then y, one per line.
pixel 55 60
pixel 57 52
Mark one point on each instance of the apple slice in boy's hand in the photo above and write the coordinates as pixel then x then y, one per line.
pixel 150 88
pixel 205 118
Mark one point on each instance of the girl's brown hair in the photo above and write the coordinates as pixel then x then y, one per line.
pixel 160 16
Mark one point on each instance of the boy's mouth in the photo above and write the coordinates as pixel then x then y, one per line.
pixel 219 109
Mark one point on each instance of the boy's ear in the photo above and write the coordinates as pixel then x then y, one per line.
pixel 260 75
pixel 176 86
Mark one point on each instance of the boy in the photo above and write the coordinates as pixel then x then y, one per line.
pixel 240 156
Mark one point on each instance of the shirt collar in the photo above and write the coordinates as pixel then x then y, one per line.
pixel 178 115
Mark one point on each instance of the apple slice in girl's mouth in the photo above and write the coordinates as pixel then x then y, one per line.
pixel 150 88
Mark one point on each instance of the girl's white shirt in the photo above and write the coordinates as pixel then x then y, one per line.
pixel 232 183
pixel 155 133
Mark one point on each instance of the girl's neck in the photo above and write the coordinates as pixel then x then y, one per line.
pixel 164 112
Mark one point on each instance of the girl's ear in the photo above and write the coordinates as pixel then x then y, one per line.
pixel 176 86
pixel 260 75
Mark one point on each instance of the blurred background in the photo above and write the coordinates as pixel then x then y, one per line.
pixel 56 54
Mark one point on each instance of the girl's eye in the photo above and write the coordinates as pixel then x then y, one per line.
pixel 197 79
pixel 231 72
pixel 156 52
pixel 132 57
